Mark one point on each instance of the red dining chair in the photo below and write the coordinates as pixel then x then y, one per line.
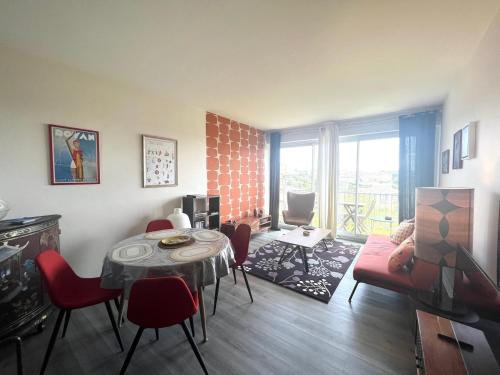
pixel 161 224
pixel 240 241
pixel 68 292
pixel 228 230
pixel 158 303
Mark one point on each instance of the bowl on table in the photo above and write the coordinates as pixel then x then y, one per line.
pixel 174 242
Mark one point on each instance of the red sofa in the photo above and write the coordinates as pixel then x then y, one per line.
pixel 371 268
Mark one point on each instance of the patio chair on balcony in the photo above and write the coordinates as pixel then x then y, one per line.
pixel 300 208
pixel 363 217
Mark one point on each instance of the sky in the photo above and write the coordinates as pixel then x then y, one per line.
pixel 375 155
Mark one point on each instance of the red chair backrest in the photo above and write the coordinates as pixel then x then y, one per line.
pixel 160 302
pixel 58 275
pixel 227 229
pixel 161 224
pixel 240 240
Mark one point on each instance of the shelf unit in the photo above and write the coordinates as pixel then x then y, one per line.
pixel 202 210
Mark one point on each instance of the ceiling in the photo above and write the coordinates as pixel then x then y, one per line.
pixel 273 64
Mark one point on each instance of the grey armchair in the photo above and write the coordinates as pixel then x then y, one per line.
pixel 300 208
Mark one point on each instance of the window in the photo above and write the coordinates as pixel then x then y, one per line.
pixel 299 173
pixel 368 185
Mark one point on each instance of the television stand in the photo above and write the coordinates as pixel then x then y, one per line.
pixel 436 355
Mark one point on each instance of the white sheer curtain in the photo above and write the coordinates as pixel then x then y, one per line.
pixel 327 171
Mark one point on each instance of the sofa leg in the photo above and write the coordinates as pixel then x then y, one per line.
pixel 352 293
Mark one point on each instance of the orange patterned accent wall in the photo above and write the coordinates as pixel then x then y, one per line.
pixel 235 166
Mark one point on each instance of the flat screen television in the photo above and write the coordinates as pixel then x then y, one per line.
pixel 450 294
pixel 467 264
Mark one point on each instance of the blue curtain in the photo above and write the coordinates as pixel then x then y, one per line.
pixel 274 180
pixel 417 139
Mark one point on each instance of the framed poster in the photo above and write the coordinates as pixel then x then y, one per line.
pixel 457 150
pixel 469 141
pixel 74 156
pixel 159 161
pixel 445 162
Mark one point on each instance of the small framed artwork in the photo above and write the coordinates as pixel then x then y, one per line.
pixel 445 162
pixel 457 150
pixel 469 141
pixel 159 161
pixel 74 156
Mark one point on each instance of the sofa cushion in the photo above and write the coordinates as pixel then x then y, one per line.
pixel 401 255
pixel 293 220
pixel 371 266
pixel 402 232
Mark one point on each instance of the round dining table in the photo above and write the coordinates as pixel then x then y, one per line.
pixel 208 257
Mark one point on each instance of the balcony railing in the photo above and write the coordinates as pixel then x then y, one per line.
pixel 374 214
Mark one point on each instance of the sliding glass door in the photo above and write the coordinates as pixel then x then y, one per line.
pixel 299 173
pixel 367 185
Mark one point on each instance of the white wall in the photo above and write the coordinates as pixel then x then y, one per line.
pixel 34 93
pixel 476 97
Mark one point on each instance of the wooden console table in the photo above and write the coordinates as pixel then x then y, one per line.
pixel 441 356
pixel 257 224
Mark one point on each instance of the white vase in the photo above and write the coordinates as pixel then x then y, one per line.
pixel 179 219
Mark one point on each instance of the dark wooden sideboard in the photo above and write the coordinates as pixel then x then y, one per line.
pixel 464 351
pixel 23 301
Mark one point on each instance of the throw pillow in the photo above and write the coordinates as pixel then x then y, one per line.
pixel 402 232
pixel 401 255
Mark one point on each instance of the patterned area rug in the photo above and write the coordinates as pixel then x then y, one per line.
pixel 327 266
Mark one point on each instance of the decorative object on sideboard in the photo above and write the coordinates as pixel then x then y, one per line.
pixel 23 302
pixel 159 157
pixel 457 150
pixel 74 156
pixel 445 162
pixel 4 208
pixel 443 220
pixel 179 219
pixel 469 141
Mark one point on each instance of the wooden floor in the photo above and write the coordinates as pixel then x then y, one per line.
pixel 282 332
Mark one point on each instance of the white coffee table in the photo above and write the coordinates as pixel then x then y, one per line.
pixel 297 241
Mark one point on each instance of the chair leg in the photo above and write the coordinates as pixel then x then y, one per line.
pixel 157 334
pixel 19 355
pixel 216 294
pixel 131 350
pixel 353 290
pixel 195 348
pixel 52 340
pixel 113 323
pixel 19 351
pixel 117 305
pixel 66 321
pixel 191 323
pixel 246 282
pixel 234 275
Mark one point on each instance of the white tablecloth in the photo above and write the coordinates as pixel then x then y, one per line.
pixel 121 275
